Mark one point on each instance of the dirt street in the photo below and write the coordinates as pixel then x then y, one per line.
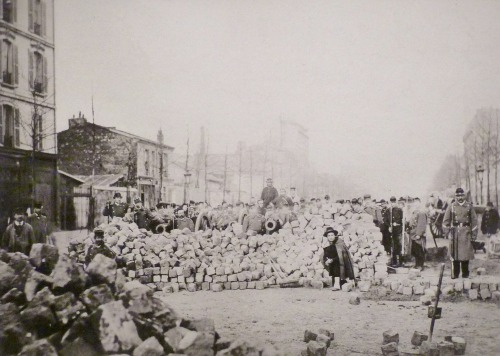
pixel 280 316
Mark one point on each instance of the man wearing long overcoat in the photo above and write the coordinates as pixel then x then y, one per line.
pixel 460 221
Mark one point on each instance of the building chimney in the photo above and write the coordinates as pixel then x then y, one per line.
pixel 79 121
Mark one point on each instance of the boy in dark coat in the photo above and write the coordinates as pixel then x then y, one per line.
pixel 337 259
pixel 490 220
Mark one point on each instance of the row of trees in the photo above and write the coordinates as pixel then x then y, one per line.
pixel 477 167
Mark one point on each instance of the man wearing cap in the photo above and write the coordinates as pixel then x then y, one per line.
pixel 19 235
pixel 384 227
pixel 99 247
pixel 116 208
pixel 394 221
pixel 460 221
pixel 269 193
pixel 417 228
pixel 293 195
pixel 372 209
pixel 337 259
pixel 141 216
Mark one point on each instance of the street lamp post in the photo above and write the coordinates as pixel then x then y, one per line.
pixel 187 181
pixel 480 172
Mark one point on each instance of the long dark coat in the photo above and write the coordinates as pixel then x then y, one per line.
pixel 342 265
pixel 461 235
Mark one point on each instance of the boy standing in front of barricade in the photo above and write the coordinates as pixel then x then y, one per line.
pixel 460 221
pixel 337 259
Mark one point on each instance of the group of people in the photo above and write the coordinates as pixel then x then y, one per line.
pixel 26 229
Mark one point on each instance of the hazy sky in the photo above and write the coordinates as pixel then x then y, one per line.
pixel 385 88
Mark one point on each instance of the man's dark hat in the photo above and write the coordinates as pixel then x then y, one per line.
pixel 137 200
pixel 117 195
pixel 489 204
pixel 330 229
pixel 459 191
pixel 393 199
pixel 98 231
pixel 327 196
pixel 292 188
pixel 382 201
pixel 302 200
pixel 37 205
pixel 19 210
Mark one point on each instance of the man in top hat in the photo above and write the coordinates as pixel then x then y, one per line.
pixel 269 193
pixel 490 220
pixel 337 259
pixel 99 247
pixel 394 221
pixel 116 208
pixel 460 221
pixel 41 225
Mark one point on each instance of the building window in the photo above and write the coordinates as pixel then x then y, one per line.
pixel 37 17
pixel 38 72
pixel 8 10
pixel 9 63
pixel 146 163
pixel 38 132
pixel 10 135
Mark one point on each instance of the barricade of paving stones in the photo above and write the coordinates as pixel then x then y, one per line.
pixel 420 345
pixel 480 287
pixel 231 259
pixel 50 306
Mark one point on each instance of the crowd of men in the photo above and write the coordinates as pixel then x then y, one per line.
pixel 403 222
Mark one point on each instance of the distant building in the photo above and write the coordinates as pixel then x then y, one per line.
pixel 86 149
pixel 27 105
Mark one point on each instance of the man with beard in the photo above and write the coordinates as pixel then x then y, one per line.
pixel 99 247
pixel 116 208
pixel 19 236
pixel 337 259
pixel 182 221
pixel 460 221
pixel 417 229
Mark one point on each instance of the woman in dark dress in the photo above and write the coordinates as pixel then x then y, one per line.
pixel 337 259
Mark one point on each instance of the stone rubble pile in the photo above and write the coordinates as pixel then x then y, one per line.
pixel 479 287
pixel 231 259
pixel 50 306
pixel 451 345
pixel 317 343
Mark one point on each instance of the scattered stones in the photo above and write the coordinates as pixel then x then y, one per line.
pixel 44 257
pixel 429 348
pixel 418 337
pixel 310 336
pixel 149 347
pixel 354 300
pixel 460 345
pixel 96 296
pixel 446 348
pixel 315 348
pixel 39 347
pixel 390 349
pixel 68 275
pixel 390 336
pixel 102 269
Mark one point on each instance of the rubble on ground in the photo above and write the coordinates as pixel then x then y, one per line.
pixel 231 259
pixel 61 309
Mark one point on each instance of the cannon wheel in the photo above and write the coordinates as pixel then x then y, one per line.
pixel 436 230
pixel 202 222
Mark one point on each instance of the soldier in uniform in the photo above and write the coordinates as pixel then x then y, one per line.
pixel 394 221
pixel 141 216
pixel 254 220
pixel 269 193
pixel 384 227
pixel 116 208
pixel 460 221
pixel 99 247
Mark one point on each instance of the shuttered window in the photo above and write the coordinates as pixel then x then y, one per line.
pixel 10 126
pixel 37 72
pixel 9 63
pixel 37 17
pixel 8 11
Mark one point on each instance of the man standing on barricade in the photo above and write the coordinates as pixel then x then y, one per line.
pixel 460 221
pixel 141 215
pixel 293 195
pixel 394 220
pixel 116 208
pixel 384 227
pixel 269 193
pixel 372 209
pixel 41 225
pixel 282 199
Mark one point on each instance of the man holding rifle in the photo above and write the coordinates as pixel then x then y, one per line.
pixel 460 221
